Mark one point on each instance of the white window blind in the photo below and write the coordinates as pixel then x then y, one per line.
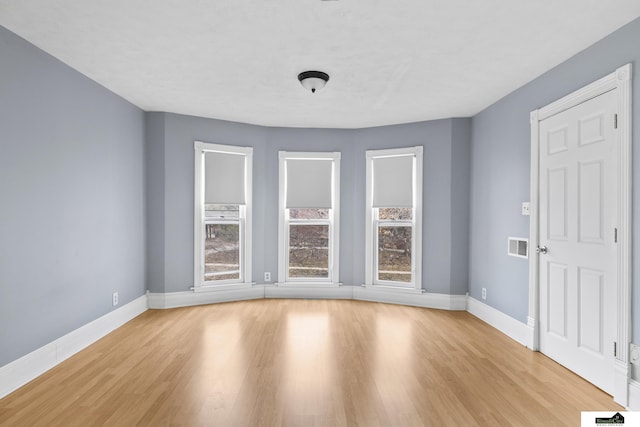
pixel 224 178
pixel 393 181
pixel 309 183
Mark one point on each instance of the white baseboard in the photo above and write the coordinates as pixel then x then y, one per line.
pixel 633 403
pixel 426 300
pixel 189 298
pixel 534 340
pixel 19 372
pixel 319 292
pixel 506 324
pixel 621 383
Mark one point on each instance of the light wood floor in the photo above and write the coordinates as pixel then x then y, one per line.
pixel 304 363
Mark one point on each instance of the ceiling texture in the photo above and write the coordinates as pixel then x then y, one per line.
pixel 389 62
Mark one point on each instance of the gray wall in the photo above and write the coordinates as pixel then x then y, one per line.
pixel 445 218
pixel 460 200
pixel 72 199
pixel 500 170
pixel 170 163
pixel 97 196
pixel 438 219
pixel 154 197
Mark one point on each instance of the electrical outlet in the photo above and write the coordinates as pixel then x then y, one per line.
pixel 115 299
pixel 267 276
pixel 484 293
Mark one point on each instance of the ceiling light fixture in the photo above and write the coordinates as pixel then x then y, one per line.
pixel 313 80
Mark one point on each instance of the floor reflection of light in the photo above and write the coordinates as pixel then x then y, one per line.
pixel 393 340
pixel 222 366
pixel 393 359
pixel 307 336
pixel 308 362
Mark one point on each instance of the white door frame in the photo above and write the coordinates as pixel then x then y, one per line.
pixel 620 82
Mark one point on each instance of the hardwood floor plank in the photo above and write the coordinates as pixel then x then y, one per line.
pixel 304 363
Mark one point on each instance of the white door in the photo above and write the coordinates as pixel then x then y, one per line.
pixel 578 210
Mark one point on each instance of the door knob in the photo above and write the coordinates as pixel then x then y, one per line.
pixel 541 250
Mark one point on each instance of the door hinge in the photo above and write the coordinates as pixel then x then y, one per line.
pixel 615 121
pixel 615 349
pixel 615 235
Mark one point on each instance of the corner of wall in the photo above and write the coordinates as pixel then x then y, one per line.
pixel 154 181
pixel 460 203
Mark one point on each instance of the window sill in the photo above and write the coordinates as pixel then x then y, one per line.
pixel 223 287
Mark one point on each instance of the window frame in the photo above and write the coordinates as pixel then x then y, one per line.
pixel 200 220
pixel 373 222
pixel 285 222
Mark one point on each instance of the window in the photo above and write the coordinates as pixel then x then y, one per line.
pixel 309 200
pixel 394 218
pixel 222 216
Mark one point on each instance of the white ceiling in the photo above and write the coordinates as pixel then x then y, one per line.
pixel 389 61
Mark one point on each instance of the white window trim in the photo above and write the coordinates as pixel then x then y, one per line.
pixel 334 221
pixel 416 241
pixel 199 285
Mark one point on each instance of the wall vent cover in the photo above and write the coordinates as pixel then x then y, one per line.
pixel 518 247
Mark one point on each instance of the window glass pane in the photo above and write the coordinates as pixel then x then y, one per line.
pixel 221 211
pixel 309 251
pixel 309 213
pixel 222 252
pixel 395 213
pixel 394 254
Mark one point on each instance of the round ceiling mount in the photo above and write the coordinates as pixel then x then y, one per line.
pixel 313 80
